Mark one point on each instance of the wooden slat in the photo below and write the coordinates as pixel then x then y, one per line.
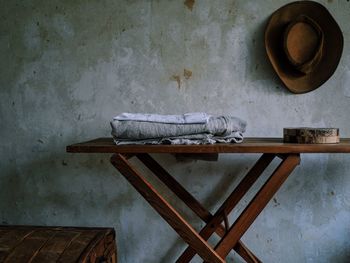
pixel 249 145
pixel 257 204
pixel 233 199
pixel 10 239
pixel 94 245
pixel 29 246
pixel 41 244
pixel 77 246
pixel 11 236
pixel 52 250
pixel 3 232
pixel 173 218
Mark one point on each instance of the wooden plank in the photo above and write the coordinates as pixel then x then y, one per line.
pixel 41 244
pixel 97 245
pixel 29 246
pixel 10 239
pixel 189 200
pixel 257 204
pixel 3 232
pixel 174 219
pixel 249 145
pixel 77 246
pixel 54 247
pixel 228 205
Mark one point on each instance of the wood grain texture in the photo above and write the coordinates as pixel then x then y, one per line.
pixel 249 145
pixel 35 244
pixel 29 246
pixel 54 247
pixel 10 239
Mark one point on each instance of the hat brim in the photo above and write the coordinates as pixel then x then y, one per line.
pixel 295 81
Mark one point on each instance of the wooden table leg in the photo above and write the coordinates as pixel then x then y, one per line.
pixel 246 254
pixel 197 207
pixel 228 206
pixel 258 203
pixel 174 219
pixel 174 185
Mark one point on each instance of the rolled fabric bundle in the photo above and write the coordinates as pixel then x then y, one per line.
pixel 215 129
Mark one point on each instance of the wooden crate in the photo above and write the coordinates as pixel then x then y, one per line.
pixel 57 244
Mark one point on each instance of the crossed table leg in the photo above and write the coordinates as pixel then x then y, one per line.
pixel 230 235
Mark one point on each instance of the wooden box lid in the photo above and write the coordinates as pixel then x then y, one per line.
pixel 56 244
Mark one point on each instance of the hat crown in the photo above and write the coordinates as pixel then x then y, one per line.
pixel 301 43
pixel 303 40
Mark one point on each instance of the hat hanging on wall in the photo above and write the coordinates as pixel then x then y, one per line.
pixel 304 45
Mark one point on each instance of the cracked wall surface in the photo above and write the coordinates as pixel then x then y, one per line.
pixel 68 67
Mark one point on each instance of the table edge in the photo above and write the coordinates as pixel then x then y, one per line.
pixel 270 146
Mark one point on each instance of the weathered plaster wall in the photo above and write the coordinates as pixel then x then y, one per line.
pixel 67 67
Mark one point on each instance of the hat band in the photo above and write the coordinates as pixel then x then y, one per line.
pixel 308 66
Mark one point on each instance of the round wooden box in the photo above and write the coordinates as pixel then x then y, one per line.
pixel 311 135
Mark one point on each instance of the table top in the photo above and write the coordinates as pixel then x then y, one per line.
pixel 249 145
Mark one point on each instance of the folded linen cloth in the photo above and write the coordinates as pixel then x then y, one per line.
pixel 187 118
pixel 198 139
pixel 216 129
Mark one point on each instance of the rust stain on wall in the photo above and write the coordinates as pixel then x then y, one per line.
pixel 189 4
pixel 187 73
pixel 176 78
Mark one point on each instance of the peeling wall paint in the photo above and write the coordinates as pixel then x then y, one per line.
pixel 189 4
pixel 68 67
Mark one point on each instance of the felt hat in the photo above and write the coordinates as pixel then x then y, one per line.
pixel 304 45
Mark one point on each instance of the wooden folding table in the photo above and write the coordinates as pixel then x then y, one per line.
pixel 270 148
